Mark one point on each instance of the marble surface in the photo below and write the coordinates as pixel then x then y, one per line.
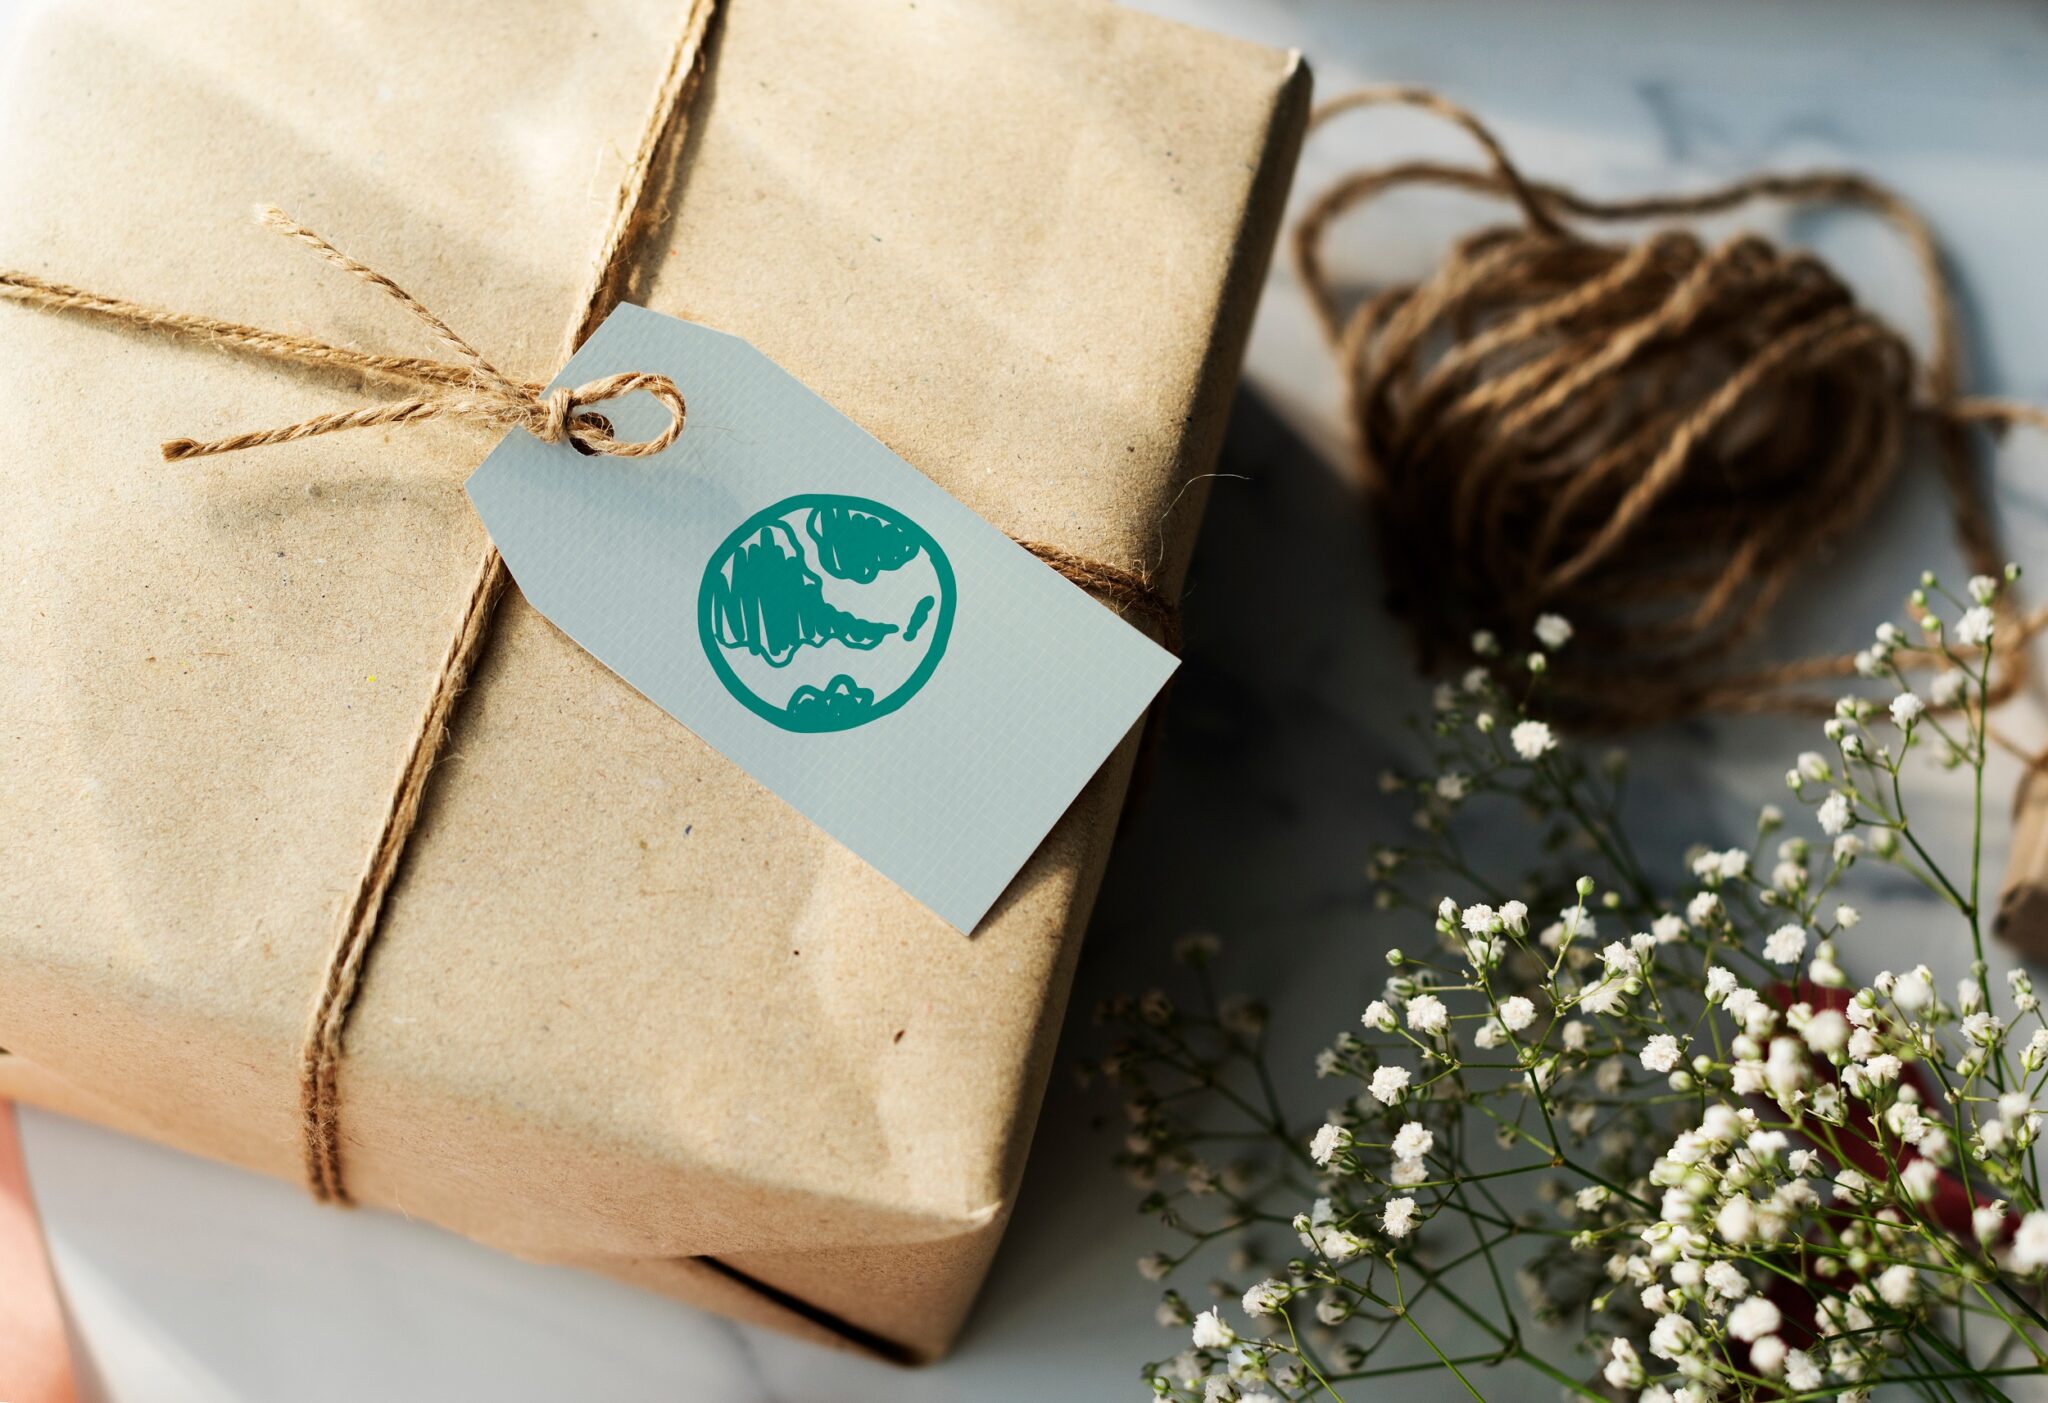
pixel 197 1284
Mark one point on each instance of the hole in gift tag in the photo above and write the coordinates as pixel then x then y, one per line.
pixel 595 421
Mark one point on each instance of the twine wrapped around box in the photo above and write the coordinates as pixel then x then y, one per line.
pixel 474 390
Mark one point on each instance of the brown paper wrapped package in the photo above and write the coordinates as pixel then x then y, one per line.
pixel 626 1009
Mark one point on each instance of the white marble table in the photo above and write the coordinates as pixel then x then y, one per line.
pixel 191 1283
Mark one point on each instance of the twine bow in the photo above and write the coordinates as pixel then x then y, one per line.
pixel 474 389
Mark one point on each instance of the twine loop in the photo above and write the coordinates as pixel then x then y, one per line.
pixel 559 420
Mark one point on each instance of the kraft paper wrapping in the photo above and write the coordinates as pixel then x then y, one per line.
pixel 626 1009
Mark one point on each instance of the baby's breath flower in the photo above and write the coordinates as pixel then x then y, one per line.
pixel 1517 1013
pixel 1898 1285
pixel 1834 815
pixel 1266 1298
pixel 1427 1014
pixel 1661 1053
pixel 1906 709
pixel 1624 1368
pixel 1914 991
pixel 1620 959
pixel 1786 944
pixel 1974 628
pixel 1735 1221
pixel 1328 1142
pixel 1413 1140
pixel 1673 1337
pixel 1210 1331
pixel 1398 1220
pixel 1826 1032
pixel 1553 631
pixel 1389 1083
pixel 1532 739
pixel 1726 1280
pixel 1801 1372
pixel 1983 1029
pixel 2022 986
pixel 1608 997
pixel 2030 1242
pixel 1754 1318
pixel 1767 1356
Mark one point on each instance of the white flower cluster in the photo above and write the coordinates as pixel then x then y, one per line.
pixel 1777 1181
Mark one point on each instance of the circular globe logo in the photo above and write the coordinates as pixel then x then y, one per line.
pixel 822 613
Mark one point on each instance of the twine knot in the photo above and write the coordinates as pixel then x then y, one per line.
pixel 476 389
pixel 556 418
pixel 554 415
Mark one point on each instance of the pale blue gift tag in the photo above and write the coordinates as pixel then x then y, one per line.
pixel 821 613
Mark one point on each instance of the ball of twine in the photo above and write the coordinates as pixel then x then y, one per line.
pixel 1651 438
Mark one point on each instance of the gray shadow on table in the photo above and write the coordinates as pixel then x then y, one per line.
pixel 1254 821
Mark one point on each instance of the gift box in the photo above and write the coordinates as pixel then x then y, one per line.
pixel 624 1008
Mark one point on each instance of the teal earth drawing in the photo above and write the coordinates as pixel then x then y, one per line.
pixel 822 613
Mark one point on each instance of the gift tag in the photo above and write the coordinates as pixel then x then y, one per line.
pixel 821 613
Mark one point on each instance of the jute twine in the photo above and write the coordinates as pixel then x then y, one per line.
pixel 472 388
pixel 1651 438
